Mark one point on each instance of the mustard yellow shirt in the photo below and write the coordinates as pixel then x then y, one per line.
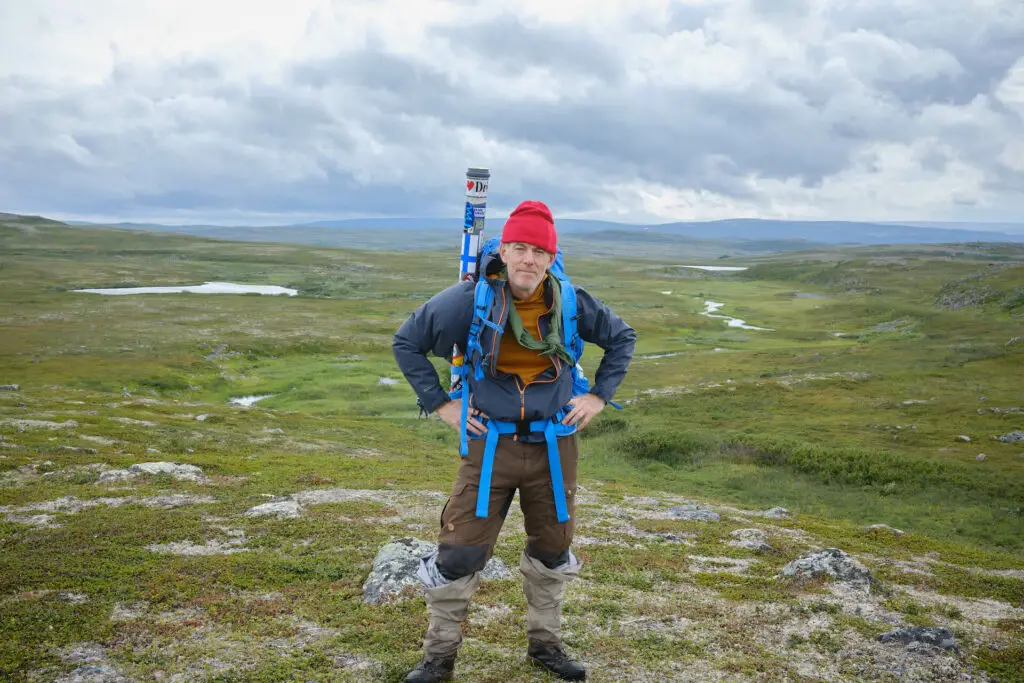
pixel 512 357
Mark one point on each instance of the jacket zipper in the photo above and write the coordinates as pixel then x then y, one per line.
pixel 522 391
pixel 521 387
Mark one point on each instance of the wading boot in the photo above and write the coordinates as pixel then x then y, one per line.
pixel 554 659
pixel 447 606
pixel 432 670
pixel 544 588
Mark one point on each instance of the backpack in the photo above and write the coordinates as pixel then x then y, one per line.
pixel 482 299
pixel 552 428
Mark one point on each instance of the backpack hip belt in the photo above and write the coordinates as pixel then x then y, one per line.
pixel 552 430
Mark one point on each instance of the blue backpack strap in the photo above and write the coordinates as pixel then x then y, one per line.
pixel 463 443
pixel 483 295
pixel 483 494
pixel 571 334
pixel 555 465
pixel 552 429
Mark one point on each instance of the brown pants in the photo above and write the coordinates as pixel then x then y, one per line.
pixel 466 541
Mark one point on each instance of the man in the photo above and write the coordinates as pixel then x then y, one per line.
pixel 527 378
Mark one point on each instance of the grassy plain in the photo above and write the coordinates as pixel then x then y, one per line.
pixel 885 375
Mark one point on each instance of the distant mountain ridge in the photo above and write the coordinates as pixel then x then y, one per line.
pixel 819 232
pixel 828 232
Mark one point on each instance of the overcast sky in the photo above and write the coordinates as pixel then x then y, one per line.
pixel 266 111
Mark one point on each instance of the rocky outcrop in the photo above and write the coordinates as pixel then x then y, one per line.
pixel 921 637
pixel 694 513
pixel 831 562
pixel 179 471
pixel 750 539
pixel 282 509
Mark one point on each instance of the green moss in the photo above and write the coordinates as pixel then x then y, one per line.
pixel 757 664
pixel 36 626
pixel 818 607
pixel 905 605
pixel 957 581
pixel 868 629
pixel 1005 664
pixel 737 587
pixel 655 648
pixel 826 641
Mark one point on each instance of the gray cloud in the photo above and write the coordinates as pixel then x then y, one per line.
pixel 768 104
pixel 575 52
pixel 984 43
pixel 374 69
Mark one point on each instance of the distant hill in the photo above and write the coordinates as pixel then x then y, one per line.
pixel 833 232
pixel 429 229
pixel 20 219
pixel 1010 227
pixel 437 234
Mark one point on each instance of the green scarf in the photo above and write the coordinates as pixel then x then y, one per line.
pixel 552 343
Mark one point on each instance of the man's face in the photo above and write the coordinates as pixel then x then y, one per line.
pixel 526 265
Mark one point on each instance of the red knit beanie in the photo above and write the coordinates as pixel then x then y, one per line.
pixel 531 222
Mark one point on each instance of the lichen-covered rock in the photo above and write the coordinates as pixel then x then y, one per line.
pixel 396 564
pixel 750 539
pixel 26 424
pixel 934 636
pixel 669 537
pixel 1012 437
pixel 831 562
pixel 111 476
pixel 282 509
pixel 777 513
pixel 394 568
pixel 178 470
pixel 694 513
pixel 92 665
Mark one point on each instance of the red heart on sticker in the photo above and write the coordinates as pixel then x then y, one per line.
pixel 469 185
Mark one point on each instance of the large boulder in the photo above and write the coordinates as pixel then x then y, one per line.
pixel 396 564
